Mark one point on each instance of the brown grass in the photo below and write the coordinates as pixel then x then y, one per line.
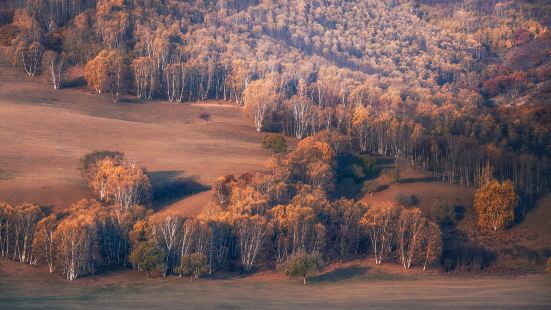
pixel 22 287
pixel 43 134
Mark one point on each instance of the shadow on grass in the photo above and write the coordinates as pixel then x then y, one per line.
pixel 341 274
pixel 415 180
pixel 75 83
pixel 170 186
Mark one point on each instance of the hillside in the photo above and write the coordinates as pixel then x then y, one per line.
pixel 44 134
pixel 355 145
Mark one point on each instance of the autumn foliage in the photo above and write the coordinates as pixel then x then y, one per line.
pixel 495 203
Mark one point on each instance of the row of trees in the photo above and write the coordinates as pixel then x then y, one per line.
pixel 277 215
pixel 93 234
pixel 74 243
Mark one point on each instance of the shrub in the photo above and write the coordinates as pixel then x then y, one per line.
pixel 275 143
pixel 549 265
pixel 394 174
pixel 405 200
pixel 146 256
pixel 303 264
pixel 367 162
pixel 372 187
pixel 194 265
pixel 442 213
pixel 205 116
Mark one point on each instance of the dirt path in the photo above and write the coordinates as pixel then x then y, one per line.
pixel 22 287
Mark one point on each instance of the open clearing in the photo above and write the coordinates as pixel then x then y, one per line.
pixel 23 287
pixel 43 133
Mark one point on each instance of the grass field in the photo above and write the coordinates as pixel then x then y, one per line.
pixel 43 133
pixel 23 287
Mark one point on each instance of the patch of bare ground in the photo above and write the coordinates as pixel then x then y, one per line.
pixel 43 134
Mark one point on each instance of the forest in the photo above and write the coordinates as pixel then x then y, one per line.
pixel 459 88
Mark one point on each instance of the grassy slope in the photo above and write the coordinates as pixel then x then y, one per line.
pixel 43 134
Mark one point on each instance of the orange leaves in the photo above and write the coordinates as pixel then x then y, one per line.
pixel 123 183
pixel 223 188
pixel 106 72
pixel 495 203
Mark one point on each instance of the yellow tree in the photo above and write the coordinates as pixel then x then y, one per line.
pixel 252 232
pixel 107 72
pixel 411 229
pixel 43 243
pixel 26 217
pixel 432 243
pixel 76 240
pixel 6 217
pixel 495 204
pixel 379 222
pixel 360 123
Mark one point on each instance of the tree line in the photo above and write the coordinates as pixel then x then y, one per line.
pixel 276 215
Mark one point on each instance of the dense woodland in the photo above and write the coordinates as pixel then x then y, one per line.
pixel 460 88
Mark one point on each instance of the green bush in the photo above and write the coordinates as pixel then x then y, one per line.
pixel 275 143
pixel 442 213
pixel 303 264
pixel 193 265
pixel 146 256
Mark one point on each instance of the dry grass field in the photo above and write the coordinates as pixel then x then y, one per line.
pixel 43 133
pixel 23 287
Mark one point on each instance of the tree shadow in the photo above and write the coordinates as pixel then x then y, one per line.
pixel 74 83
pixel 170 186
pixel 7 175
pixel 340 274
pixel 47 209
pixel 415 180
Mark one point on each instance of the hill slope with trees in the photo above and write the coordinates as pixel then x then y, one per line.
pixel 459 88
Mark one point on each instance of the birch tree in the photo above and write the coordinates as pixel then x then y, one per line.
pixel 259 98
pixel 43 243
pixel 252 232
pixel 411 230
pixel 379 222
pixel 55 62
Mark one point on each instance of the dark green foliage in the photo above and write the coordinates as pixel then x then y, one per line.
pixel 367 162
pixel 355 166
pixel 275 143
pixel 146 256
pixel 193 265
pixel 442 213
pixel 303 264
